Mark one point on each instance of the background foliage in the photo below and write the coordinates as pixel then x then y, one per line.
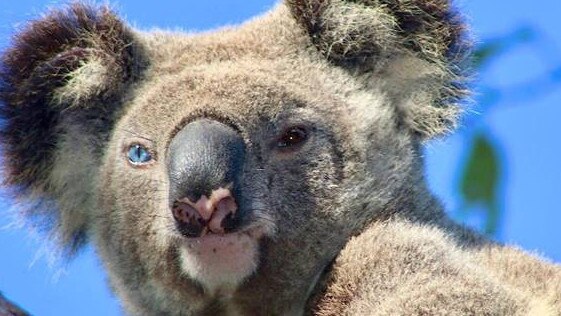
pixel 482 173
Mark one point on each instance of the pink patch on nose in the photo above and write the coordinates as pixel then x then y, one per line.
pixel 204 207
pixel 210 212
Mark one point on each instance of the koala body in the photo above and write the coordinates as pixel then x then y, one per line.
pixel 273 168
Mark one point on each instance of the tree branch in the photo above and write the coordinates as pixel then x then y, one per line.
pixel 8 308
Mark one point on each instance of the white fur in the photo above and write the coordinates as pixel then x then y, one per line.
pixel 220 263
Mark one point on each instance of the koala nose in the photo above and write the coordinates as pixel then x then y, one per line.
pixel 205 161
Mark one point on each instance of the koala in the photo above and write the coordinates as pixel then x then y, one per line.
pixel 271 168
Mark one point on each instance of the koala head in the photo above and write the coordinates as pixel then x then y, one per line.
pixel 219 169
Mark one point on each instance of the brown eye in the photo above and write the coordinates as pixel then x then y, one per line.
pixel 292 137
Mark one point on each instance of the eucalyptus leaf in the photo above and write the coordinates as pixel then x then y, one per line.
pixel 480 178
pixel 489 50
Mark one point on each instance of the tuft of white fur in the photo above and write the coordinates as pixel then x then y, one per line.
pixel 90 79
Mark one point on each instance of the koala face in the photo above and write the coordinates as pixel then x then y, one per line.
pixel 235 134
pixel 213 171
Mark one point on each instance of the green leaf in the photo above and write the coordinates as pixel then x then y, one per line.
pixel 485 52
pixel 480 180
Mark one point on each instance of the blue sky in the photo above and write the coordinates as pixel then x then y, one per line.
pixel 527 130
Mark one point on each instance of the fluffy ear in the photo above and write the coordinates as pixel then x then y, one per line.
pixel 61 81
pixel 416 46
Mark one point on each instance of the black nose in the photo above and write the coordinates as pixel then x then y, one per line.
pixel 205 157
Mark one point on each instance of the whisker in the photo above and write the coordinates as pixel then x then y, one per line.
pixel 138 135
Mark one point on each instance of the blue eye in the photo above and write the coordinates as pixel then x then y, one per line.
pixel 138 155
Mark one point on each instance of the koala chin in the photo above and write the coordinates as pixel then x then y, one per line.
pixel 270 168
pixel 220 262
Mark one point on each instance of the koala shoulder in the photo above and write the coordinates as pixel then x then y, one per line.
pixel 531 274
pixel 399 268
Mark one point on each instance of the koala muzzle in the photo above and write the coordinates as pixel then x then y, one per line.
pixel 205 161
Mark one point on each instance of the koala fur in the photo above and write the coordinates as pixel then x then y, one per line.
pixel 340 224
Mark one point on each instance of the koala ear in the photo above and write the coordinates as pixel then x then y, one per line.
pixel 417 47
pixel 61 79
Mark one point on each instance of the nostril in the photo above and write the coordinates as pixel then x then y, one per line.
pixel 227 205
pixel 230 222
pixel 222 219
pixel 188 220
